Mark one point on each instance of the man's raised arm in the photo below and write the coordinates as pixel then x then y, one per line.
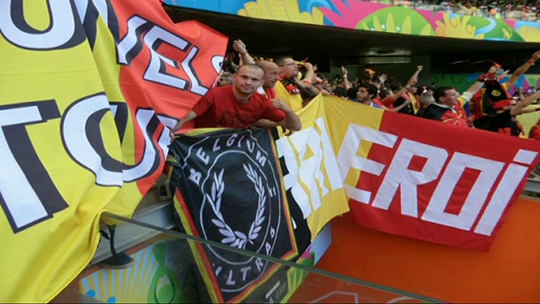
pixel 191 115
pixel 523 69
pixel 240 47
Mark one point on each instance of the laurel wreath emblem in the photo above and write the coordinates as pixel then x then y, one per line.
pixel 234 238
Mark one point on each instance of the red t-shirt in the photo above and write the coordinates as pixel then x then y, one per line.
pixel 377 102
pixel 270 93
pixel 388 102
pixel 219 108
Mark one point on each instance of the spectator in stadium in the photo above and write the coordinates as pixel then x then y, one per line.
pixel 447 105
pixel 239 106
pixel 505 121
pixel 365 94
pixel 388 97
pixel 481 106
pixel 225 78
pixel 408 93
pixel 321 84
pixel 289 88
pixel 344 85
pixel 228 66
pixel 271 76
pixel 425 100
pixel 296 94
pixel 534 133
pixel 446 108
pixel 271 70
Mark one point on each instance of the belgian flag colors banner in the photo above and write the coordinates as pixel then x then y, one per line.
pixel 87 91
pixel 227 188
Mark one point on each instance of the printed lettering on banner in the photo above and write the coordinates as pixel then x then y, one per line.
pixel 230 192
pixel 443 187
pixel 312 174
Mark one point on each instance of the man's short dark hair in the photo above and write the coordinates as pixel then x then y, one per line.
pixel 440 92
pixel 385 93
pixel 281 60
pixel 351 93
pixel 370 88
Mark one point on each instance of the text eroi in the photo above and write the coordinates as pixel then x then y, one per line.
pixel 324 165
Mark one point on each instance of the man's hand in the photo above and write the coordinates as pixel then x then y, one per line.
pixel 382 78
pixel 240 47
pixel 536 56
pixel 344 71
pixel 493 69
pixel 503 74
pixel 278 103
pixel 292 121
pixel 325 93
pixel 309 66
pixel 419 68
pixel 171 135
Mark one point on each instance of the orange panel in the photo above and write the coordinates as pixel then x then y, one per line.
pixel 508 272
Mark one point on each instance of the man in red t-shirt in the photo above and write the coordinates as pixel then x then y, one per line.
pixel 237 105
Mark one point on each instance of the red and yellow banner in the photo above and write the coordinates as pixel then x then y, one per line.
pixel 424 179
pixel 86 90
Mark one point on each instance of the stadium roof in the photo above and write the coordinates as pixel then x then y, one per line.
pixel 273 38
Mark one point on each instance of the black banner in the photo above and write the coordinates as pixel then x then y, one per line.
pixel 230 191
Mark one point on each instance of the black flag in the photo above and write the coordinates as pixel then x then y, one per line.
pixel 230 191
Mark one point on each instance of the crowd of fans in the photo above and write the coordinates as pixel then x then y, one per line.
pixel 269 93
pixel 514 10
pixel 289 85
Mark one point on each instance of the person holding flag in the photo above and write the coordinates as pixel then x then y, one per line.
pixel 238 105
pixel 482 103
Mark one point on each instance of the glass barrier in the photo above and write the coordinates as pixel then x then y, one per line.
pixel 172 267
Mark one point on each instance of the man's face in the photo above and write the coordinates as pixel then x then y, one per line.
pixel 225 79
pixel 271 75
pixel 248 79
pixel 289 68
pixel 450 98
pixel 362 95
